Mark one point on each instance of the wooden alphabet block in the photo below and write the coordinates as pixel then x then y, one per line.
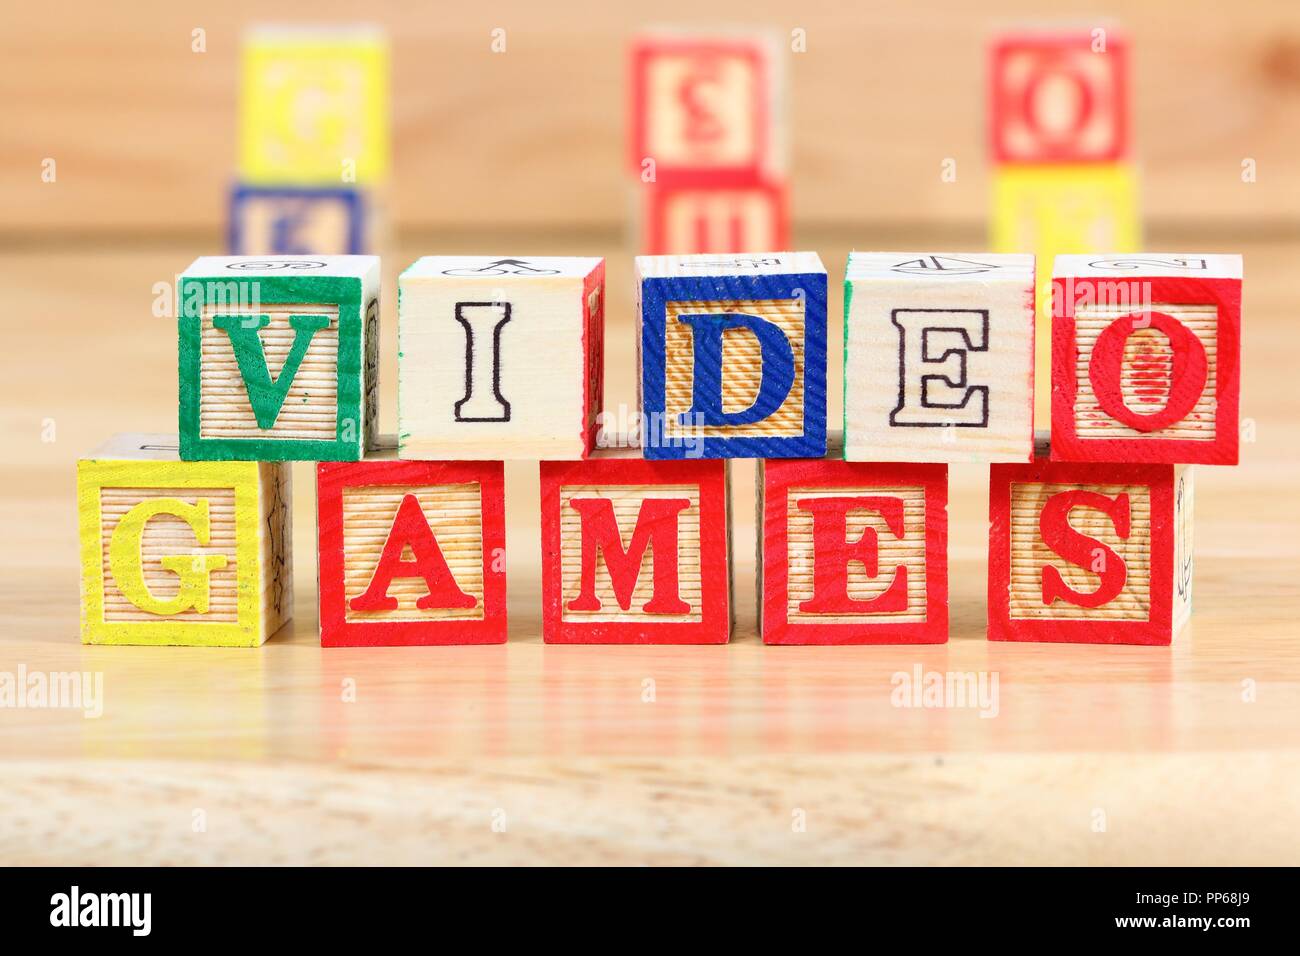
pixel 1059 96
pixel 732 355
pixel 278 357
pixel 853 552
pixel 500 357
pixel 635 551
pixel 1146 358
pixel 938 357
pixel 297 221
pixel 684 218
pixel 173 552
pixel 1089 553
pixel 707 107
pixel 449 516
pixel 314 106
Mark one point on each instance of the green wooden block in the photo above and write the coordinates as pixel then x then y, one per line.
pixel 278 357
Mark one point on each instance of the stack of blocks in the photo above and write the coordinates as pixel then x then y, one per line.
pixel 313 139
pixel 187 542
pixel 708 142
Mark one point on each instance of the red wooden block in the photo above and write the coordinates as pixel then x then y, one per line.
pixel 704 106
pixel 853 552
pixel 1089 553
pixel 448 516
pixel 1059 97
pixel 1146 354
pixel 684 218
pixel 635 551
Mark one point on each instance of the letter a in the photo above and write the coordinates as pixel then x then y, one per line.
pixel 411 528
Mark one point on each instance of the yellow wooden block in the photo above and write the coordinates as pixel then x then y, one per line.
pixel 1061 209
pixel 174 552
pixel 314 106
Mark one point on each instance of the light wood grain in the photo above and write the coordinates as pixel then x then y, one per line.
pixel 1191 751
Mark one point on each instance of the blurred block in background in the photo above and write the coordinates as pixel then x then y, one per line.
pixel 708 142
pixel 314 105
pixel 707 105
pixel 290 220
pixel 686 218
pixel 1059 96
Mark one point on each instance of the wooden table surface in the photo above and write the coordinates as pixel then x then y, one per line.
pixel 524 753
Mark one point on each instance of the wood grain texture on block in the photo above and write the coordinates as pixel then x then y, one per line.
pixel 1059 96
pixel 707 106
pixel 278 357
pixel 853 552
pixel 635 551
pixel 314 105
pixel 299 220
pixel 732 355
pixel 1089 552
pixel 1146 353
pixel 186 553
pixel 500 357
pixel 411 552
pixel 938 357
pixel 683 217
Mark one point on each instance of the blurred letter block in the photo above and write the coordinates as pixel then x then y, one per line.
pixel 732 353
pixel 743 217
pixel 500 358
pixel 939 357
pixel 1089 553
pixel 1059 97
pixel 174 552
pixel 706 107
pixel 278 357
pixel 635 551
pixel 1059 210
pixel 314 105
pixel 1146 353
pixel 287 221
pixel 411 552
pixel 853 553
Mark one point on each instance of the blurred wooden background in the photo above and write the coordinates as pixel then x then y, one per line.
pixel 143 129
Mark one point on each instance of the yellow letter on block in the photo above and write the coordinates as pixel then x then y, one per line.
pixel 180 552
pixel 194 570
pixel 314 106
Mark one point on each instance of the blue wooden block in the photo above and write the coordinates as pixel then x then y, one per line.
pixel 732 355
pixel 296 221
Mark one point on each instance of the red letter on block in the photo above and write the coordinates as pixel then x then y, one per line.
pixel 411 528
pixel 1187 376
pixel 599 516
pixel 1078 549
pixel 656 525
pixel 832 553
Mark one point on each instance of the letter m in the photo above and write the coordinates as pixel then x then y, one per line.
pixel 656 529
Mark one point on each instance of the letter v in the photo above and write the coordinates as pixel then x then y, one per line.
pixel 267 397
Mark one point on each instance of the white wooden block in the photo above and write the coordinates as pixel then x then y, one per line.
pixel 939 357
pixel 500 357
